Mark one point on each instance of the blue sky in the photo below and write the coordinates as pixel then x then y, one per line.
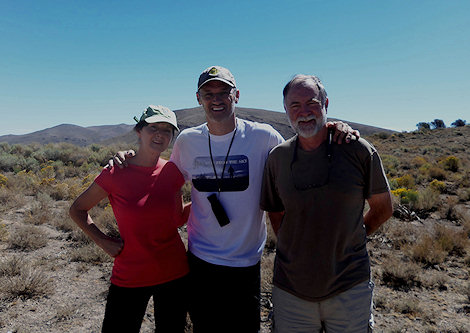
pixel 390 64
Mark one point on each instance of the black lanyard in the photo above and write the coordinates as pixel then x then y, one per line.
pixel 225 162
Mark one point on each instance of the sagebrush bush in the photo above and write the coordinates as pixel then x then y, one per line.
pixel 428 199
pixel 452 241
pixel 12 266
pixel 427 251
pixel 29 283
pixel 390 164
pixel 65 224
pixel 400 275
pixel 437 173
pixel 27 238
pixel 40 211
pixel 408 306
pixel 399 233
pixel 418 161
pixel 10 198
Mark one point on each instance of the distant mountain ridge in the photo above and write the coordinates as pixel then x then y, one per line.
pixel 106 134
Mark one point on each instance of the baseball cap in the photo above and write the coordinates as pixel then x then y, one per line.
pixel 218 73
pixel 158 114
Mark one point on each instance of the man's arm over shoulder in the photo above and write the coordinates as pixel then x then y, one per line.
pixel 380 211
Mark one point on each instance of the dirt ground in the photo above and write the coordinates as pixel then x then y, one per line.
pixel 77 291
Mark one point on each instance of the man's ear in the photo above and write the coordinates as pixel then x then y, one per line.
pixel 198 98
pixel 326 104
pixel 237 96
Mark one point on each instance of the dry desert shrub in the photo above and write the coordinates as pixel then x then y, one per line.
pixel 3 232
pixel 66 312
pixel 399 233
pixel 79 238
pixel 12 266
pixel 433 249
pixel 408 305
pixel 64 224
pixel 428 199
pixel 90 253
pixel 427 251
pixel 27 238
pixel 9 199
pixel 29 283
pixel 24 183
pixel 464 194
pixel 400 275
pixel 267 266
pixel 452 241
pixel 437 173
pixel 40 211
pixel 437 280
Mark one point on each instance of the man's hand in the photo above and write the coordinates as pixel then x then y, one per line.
pixel 343 132
pixel 120 159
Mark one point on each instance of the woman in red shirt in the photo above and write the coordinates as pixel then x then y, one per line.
pixel 150 257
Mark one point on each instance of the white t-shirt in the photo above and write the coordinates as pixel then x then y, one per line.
pixel 241 242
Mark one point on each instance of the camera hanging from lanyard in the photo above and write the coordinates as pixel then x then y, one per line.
pixel 216 205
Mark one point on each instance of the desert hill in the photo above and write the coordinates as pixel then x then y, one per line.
pixel 122 133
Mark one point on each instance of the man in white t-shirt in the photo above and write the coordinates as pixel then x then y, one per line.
pixel 226 227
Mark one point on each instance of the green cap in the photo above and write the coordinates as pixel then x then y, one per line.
pixel 158 114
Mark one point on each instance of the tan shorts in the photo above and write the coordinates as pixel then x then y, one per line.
pixel 350 311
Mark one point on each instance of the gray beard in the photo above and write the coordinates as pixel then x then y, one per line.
pixel 308 132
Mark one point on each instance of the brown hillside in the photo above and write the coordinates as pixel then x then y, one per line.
pixel 122 133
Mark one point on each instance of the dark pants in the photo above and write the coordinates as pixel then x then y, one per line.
pixel 223 298
pixel 125 307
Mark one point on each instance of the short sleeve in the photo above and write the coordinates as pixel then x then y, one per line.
pixel 275 138
pixel 377 180
pixel 270 200
pixel 104 179
pixel 176 157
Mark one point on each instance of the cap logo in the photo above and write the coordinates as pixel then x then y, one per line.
pixel 214 71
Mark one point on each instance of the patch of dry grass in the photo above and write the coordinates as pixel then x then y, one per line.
pixel 400 275
pixel 28 283
pixel 408 305
pixel 27 238
pixel 3 232
pixel 10 199
pixel 432 249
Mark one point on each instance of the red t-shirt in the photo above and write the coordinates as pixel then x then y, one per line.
pixel 144 204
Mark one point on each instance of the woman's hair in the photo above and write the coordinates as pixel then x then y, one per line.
pixel 141 124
